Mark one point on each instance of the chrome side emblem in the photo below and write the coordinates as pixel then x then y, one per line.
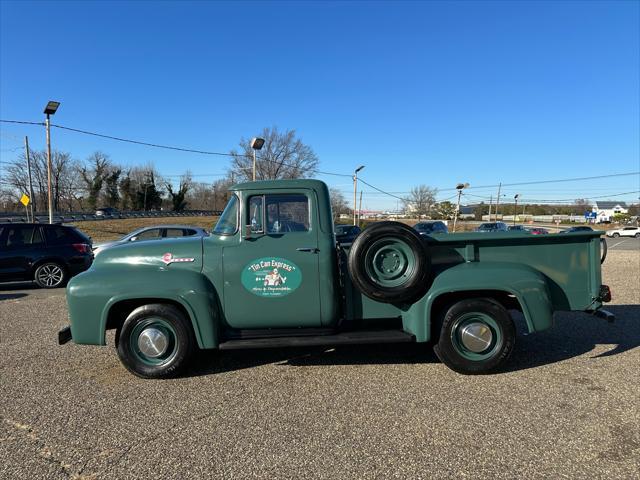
pixel 168 258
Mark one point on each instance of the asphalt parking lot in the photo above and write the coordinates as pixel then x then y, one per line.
pixel 567 406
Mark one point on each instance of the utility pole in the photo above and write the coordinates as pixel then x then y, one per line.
pixel 498 200
pixel 26 152
pixel 490 202
pixel 355 190
pixel 360 208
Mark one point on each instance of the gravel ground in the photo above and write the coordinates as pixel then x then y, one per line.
pixel 568 405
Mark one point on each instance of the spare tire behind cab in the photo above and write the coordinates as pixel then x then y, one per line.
pixel 388 262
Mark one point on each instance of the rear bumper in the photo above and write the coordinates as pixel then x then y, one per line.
pixel 64 335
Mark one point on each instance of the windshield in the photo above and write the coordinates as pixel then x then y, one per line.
pixel 228 221
pixel 424 227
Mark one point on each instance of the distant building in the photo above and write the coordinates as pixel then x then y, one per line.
pixel 467 211
pixel 607 209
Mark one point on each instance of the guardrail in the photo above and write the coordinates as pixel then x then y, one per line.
pixel 81 217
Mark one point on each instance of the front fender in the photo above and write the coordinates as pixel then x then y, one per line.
pixel 92 294
pixel 527 284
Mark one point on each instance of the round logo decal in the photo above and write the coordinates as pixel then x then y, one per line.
pixel 271 277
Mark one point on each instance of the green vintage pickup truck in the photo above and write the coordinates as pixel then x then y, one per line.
pixel 272 275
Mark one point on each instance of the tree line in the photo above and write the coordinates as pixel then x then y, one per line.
pixel 99 181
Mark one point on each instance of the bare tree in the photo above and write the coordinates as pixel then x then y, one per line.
pixel 282 156
pixel 420 200
pixel 62 169
pixel 338 202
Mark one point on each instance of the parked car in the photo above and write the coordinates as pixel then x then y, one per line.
pixel 538 231
pixel 47 254
pixel 518 228
pixel 581 228
pixel 263 286
pixel 153 233
pixel 493 227
pixel 624 232
pixel 347 233
pixel 106 212
pixel 429 228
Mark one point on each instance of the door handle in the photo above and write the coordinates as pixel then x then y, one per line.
pixel 308 249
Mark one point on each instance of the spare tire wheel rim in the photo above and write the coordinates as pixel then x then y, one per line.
pixel 389 262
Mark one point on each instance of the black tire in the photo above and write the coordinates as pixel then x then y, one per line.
pixel 388 262
pixel 170 322
pixel 50 275
pixel 466 314
pixel 616 235
pixel 637 235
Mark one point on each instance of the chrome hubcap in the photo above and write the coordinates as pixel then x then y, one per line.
pixel 152 342
pixel 50 275
pixel 476 337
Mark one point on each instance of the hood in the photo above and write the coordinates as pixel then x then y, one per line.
pixel 183 253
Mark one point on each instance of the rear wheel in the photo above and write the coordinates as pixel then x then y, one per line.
pixel 50 275
pixel 476 336
pixel 155 341
pixel 637 235
pixel 615 235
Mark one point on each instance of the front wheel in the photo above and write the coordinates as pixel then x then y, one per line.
pixel 155 341
pixel 476 336
pixel 616 235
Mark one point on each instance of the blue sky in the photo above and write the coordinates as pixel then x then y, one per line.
pixel 420 92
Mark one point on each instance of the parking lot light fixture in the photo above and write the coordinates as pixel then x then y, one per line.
pixel 355 189
pixel 49 110
pixel 515 208
pixel 459 187
pixel 256 144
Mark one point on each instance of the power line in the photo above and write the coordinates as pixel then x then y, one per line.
pixel 561 200
pixel 170 147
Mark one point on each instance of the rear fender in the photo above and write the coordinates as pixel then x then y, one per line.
pixel 528 285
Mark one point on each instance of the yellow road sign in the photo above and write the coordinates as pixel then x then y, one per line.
pixel 25 199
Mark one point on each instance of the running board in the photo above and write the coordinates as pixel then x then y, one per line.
pixel 342 338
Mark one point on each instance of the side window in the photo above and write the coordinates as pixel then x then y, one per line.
pixel 174 232
pixel 23 236
pixel 287 213
pixel 149 234
pixel 255 214
pixel 37 238
pixel 55 235
pixel 188 232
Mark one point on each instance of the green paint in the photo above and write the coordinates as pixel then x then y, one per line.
pixel 220 290
pixel 271 277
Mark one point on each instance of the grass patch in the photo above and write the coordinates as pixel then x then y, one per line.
pixel 106 230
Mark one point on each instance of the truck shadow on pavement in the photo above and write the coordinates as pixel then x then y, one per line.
pixel 573 334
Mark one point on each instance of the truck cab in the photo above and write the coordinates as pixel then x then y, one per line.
pixel 271 274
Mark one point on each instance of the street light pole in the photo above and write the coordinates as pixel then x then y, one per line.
pixel 355 189
pixel 515 209
pixel 459 187
pixel 256 144
pixel 49 110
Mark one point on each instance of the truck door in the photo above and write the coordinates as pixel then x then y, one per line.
pixel 271 275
